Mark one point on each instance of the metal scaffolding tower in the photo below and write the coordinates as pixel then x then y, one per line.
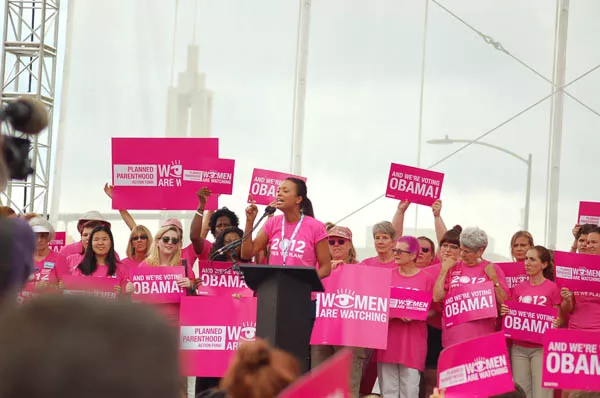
pixel 29 69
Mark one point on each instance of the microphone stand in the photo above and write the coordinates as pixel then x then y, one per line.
pixel 234 244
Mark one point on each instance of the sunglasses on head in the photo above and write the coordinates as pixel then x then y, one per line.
pixel 140 237
pixel 166 239
pixel 340 241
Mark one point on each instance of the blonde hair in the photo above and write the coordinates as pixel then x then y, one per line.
pixel 141 230
pixel 153 258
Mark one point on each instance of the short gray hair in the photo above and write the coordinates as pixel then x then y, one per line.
pixel 474 238
pixel 384 227
pixel 42 222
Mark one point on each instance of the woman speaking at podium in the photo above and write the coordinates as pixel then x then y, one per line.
pixel 293 238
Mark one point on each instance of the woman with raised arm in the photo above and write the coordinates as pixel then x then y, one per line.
pixel 294 237
pixel 470 270
pixel 540 289
pixel 138 246
pixel 580 233
pixel 520 243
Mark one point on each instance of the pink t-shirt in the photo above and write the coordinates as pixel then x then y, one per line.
pixel 73 248
pixel 375 262
pixel 302 249
pixel 102 272
pixel 586 312
pixel 48 270
pixel 205 251
pixel 462 274
pixel 407 341
pixel 73 261
pixel 435 321
pixel 546 294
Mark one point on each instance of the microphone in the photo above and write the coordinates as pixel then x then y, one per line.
pixel 26 115
pixel 268 211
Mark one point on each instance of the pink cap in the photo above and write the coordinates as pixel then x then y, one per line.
pixel 171 222
pixel 342 232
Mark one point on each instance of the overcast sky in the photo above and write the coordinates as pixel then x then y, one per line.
pixel 362 105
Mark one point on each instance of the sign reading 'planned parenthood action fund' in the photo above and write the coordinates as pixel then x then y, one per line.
pixel 165 173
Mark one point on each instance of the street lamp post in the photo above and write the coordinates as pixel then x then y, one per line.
pixel 527 161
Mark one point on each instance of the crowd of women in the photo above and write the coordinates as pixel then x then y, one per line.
pixel 407 368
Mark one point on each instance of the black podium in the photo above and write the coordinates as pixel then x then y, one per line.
pixel 285 312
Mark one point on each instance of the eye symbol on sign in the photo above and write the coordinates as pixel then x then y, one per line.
pixel 248 333
pixel 176 169
pixel 479 364
pixel 344 298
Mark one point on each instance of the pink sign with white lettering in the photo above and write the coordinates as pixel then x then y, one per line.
pixel 161 173
pixel 571 359
pixel 103 287
pixel 470 302
pixel 353 311
pixel 58 242
pixel 578 272
pixel 157 284
pixel 476 368
pixel 208 338
pixel 264 184
pixel 330 380
pixel 413 184
pixel 219 278
pixel 410 304
pixel 589 213
pixel 527 322
pixel 514 272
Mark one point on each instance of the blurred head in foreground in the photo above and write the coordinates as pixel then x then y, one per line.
pixel 259 371
pixel 17 244
pixel 62 347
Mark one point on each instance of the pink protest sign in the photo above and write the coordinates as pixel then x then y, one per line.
pixel 571 359
pixel 470 302
pixel 589 213
pixel 208 337
pixel 413 184
pixel 103 287
pixel 264 184
pixel 527 322
pixel 160 173
pixel 330 380
pixel 408 303
pixel 157 284
pixel 578 272
pixel 215 174
pixel 514 272
pixel 353 311
pixel 476 368
pixel 219 278
pixel 58 242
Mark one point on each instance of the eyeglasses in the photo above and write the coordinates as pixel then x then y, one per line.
pixel 425 249
pixel 166 239
pixel 450 246
pixel 340 242
pixel 139 237
pixel 398 251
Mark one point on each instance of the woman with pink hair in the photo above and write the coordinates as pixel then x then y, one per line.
pixel 399 365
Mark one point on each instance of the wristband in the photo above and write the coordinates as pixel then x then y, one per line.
pixel 199 213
